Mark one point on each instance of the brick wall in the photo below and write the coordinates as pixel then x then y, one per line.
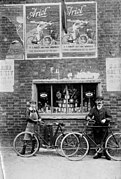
pixel 13 105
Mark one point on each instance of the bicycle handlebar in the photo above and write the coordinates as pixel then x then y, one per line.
pixel 59 123
pixel 93 122
pixel 54 123
pixel 48 23
pixel 88 121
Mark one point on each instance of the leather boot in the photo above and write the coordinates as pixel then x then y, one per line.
pixel 98 155
pixel 23 150
pixel 106 155
pixel 33 146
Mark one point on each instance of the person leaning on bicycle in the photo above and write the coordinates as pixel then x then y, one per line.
pixel 102 117
pixel 32 117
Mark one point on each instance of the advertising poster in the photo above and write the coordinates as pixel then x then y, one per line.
pixel 113 74
pixel 6 75
pixel 81 37
pixel 42 34
pixel 11 32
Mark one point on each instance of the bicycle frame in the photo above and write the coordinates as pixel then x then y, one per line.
pixel 75 145
pixel 97 146
pixel 102 147
pixel 52 141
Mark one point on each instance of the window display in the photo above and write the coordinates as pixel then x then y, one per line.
pixel 66 98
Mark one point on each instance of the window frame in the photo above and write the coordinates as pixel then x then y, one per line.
pixel 64 115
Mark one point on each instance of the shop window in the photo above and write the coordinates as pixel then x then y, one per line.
pixel 65 97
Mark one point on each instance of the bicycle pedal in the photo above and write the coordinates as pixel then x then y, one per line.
pixel 52 147
pixel 70 41
pixel 34 42
pixel 44 146
pixel 49 147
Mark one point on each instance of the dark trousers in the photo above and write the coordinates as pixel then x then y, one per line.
pixel 48 134
pixel 100 134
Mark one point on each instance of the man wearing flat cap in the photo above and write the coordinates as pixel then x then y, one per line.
pixel 102 117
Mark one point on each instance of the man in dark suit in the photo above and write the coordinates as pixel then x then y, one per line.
pixel 102 117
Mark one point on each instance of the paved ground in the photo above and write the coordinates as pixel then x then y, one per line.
pixel 48 165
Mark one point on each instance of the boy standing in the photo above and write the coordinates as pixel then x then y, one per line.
pixel 32 118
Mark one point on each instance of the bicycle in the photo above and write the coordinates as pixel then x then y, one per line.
pixel 79 34
pixel 80 39
pixel 39 141
pixel 75 145
pixel 44 40
pixel 40 38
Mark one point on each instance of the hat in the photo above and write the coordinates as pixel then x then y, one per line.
pixel 32 102
pixel 99 98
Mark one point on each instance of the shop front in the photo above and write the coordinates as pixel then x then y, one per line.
pixel 68 99
pixel 63 71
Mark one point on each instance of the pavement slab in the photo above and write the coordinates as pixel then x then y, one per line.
pixel 47 164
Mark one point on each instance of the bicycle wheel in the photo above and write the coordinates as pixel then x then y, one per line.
pixel 26 148
pixel 58 143
pixel 47 41
pixel 74 146
pixel 30 40
pixel 113 146
pixel 83 39
pixel 65 39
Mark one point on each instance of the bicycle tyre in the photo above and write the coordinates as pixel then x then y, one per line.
pixel 83 39
pixel 65 39
pixel 47 43
pixel 29 40
pixel 113 146
pixel 19 142
pixel 58 143
pixel 74 146
pixel 32 39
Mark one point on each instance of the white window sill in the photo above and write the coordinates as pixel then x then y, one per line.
pixel 63 116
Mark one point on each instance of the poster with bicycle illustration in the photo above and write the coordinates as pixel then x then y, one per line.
pixel 42 34
pixel 81 37
pixel 11 33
